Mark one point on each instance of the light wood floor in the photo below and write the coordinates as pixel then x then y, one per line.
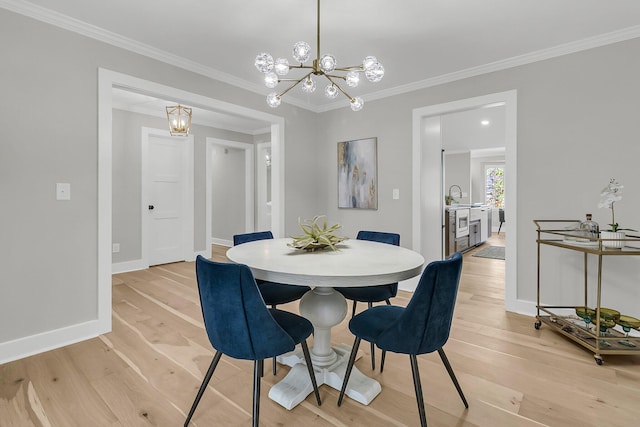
pixel 147 370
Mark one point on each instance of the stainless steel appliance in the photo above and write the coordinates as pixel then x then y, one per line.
pixel 462 222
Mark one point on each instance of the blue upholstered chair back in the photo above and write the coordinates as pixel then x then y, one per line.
pixel 238 239
pixel 236 318
pixel 425 324
pixel 379 236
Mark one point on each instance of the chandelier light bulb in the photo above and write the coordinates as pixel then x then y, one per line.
pixel 281 66
pixel 301 52
pixel 308 85
pixel 357 103
pixel 352 78
pixel 328 63
pixel 264 62
pixel 375 73
pixel 331 91
pixel 273 99
pixel 271 80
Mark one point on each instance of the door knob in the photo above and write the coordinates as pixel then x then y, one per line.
pixel 151 207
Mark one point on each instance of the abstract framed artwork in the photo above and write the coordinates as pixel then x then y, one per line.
pixel 358 174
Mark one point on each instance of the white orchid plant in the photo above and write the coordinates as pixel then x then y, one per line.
pixel 609 195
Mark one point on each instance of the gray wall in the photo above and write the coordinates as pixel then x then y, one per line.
pixel 49 115
pixel 228 188
pixel 577 127
pixel 457 171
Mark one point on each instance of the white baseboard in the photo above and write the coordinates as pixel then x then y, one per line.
pixel 205 253
pixel 126 266
pixel 222 242
pixel 50 340
pixel 520 306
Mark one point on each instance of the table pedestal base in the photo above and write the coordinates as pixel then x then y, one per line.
pixel 296 385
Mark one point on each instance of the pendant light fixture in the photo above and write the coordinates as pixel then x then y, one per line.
pixel 179 118
pixel 325 65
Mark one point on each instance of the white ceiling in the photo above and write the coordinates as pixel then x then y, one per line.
pixel 464 131
pixel 420 42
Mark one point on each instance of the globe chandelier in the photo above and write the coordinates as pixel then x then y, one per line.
pixel 325 65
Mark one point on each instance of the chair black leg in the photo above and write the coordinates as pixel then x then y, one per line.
pixel 312 374
pixel 452 375
pixel 258 366
pixel 373 347
pixel 203 386
pixel 274 359
pixel 384 352
pixel 347 374
pixel 353 310
pixel 418 387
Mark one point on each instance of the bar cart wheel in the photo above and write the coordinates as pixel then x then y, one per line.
pixel 537 324
pixel 599 360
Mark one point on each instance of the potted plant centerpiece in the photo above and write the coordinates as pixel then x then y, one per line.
pixel 611 194
pixel 316 237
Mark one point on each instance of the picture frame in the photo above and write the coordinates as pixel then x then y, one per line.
pixel 358 174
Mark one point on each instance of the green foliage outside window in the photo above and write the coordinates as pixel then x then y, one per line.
pixel 494 195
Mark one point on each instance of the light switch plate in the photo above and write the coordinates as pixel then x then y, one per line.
pixel 63 191
pixel 396 193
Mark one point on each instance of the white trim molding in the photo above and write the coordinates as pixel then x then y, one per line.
pixel 420 148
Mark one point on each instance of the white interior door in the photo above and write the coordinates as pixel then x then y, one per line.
pixel 169 196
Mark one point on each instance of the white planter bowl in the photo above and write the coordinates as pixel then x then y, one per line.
pixel 613 235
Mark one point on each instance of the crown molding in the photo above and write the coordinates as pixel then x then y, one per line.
pixel 516 61
pixel 71 24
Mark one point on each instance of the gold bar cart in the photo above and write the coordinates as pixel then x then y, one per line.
pixel 563 234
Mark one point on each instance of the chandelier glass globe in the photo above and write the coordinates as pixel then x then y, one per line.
pixel 308 85
pixel 281 66
pixel 369 62
pixel 271 80
pixel 328 63
pixel 352 78
pixel 264 62
pixel 375 73
pixel 357 103
pixel 273 99
pixel 331 91
pixel 301 52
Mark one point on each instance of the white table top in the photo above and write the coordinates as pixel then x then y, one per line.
pixel 356 263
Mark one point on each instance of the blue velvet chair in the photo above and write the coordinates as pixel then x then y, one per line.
pixel 274 294
pixel 371 294
pixel 422 327
pixel 240 325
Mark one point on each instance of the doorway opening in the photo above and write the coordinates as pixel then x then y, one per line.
pixel 428 194
pixel 107 81
pixel 229 190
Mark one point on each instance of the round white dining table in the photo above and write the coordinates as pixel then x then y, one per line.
pixel 354 263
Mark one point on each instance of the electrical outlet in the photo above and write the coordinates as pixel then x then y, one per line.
pixel 115 248
pixel 396 193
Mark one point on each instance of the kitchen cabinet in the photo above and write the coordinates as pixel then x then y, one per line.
pixel 478 219
pixel 474 233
